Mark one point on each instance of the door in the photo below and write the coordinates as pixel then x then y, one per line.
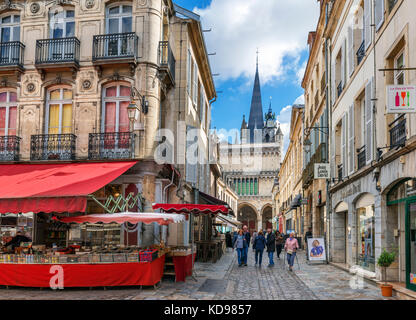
pixel 411 245
pixel 119 20
pixel 10 31
pixel 62 25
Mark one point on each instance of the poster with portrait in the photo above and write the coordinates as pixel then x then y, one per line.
pixel 316 249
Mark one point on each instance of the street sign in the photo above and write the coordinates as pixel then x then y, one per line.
pixel 401 99
pixel 322 171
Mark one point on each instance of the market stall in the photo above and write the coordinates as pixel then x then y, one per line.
pixel 87 264
pixel 184 262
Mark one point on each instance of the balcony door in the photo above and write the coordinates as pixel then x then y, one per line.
pixel 119 21
pixel 115 122
pixel 9 31
pixel 62 25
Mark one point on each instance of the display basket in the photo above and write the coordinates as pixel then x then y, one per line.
pixel 63 258
pixel 95 258
pixel 119 257
pixel 106 257
pixel 133 257
pixel 72 258
pixel 148 255
pixel 84 258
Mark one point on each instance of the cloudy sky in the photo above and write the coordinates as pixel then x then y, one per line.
pixel 279 29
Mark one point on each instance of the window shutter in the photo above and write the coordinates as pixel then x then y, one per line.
pixel 367 23
pixel 344 145
pixel 351 145
pixel 351 50
pixel 195 95
pixel 343 64
pixel 201 101
pixel 333 155
pixel 368 122
pixel 379 13
pixel 191 168
pixel 189 86
pixel 333 85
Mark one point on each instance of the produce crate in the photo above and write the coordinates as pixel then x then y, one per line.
pixel 63 258
pixel 106 257
pixel 95 258
pixel 148 255
pixel 133 257
pixel 73 259
pixel 119 257
pixel 84 258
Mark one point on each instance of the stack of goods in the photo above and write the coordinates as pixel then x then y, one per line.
pixel 148 255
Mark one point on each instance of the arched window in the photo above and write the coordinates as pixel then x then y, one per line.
pixel 8 113
pixel 116 100
pixel 58 111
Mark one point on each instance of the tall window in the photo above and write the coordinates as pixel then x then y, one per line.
pixel 62 24
pixel 8 113
pixel 119 20
pixel 59 111
pixel 116 101
pixel 9 31
pixel 399 77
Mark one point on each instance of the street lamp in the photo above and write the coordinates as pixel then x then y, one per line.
pixel 307 145
pixel 133 109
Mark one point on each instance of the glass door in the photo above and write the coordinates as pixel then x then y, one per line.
pixel 119 21
pixel 411 246
pixel 10 31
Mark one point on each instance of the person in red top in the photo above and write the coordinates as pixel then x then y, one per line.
pixel 291 246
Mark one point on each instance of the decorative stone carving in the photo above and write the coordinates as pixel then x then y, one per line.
pixel 89 4
pixel 34 7
pixel 86 84
pixel 31 87
pixel 142 3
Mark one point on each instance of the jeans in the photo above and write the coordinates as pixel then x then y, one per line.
pixel 278 250
pixel 291 258
pixel 271 254
pixel 240 255
pixel 259 256
pixel 245 255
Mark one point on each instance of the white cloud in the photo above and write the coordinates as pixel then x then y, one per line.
pixel 300 100
pixel 279 28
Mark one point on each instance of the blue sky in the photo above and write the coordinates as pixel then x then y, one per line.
pixel 279 30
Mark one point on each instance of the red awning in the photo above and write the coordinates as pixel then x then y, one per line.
pixel 190 208
pixel 120 218
pixel 62 187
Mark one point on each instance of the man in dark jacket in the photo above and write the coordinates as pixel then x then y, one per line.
pixel 258 245
pixel 248 237
pixel 271 246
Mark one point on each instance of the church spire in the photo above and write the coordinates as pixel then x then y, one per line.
pixel 256 111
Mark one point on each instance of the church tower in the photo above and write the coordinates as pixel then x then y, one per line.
pixel 256 111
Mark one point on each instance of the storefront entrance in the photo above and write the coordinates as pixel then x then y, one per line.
pixel 411 245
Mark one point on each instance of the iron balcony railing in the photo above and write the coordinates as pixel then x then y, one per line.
pixel 398 133
pixel 53 147
pixel 111 145
pixel 361 157
pixel 9 148
pixel 62 50
pixel 166 57
pixel 115 46
pixel 339 89
pixel 361 53
pixel 12 53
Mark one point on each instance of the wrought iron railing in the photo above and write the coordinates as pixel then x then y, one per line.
pixel 114 46
pixel 398 133
pixel 361 157
pixel 12 53
pixel 9 148
pixel 57 50
pixel 166 57
pixel 339 89
pixel 361 53
pixel 53 147
pixel 111 145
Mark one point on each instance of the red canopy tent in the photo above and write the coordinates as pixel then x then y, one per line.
pixel 190 208
pixel 48 188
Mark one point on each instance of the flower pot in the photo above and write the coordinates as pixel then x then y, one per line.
pixel 386 290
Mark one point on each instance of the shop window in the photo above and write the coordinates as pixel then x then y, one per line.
pixel 59 111
pixel 366 238
pixel 8 113
pixel 402 190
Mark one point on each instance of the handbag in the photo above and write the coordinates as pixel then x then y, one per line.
pixel 289 251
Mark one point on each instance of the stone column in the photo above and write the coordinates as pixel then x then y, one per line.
pixel 149 195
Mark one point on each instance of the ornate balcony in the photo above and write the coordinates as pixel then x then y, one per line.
pixel 52 147
pixel 115 49
pixel 167 63
pixel 12 56
pixel 398 132
pixel 111 145
pixel 9 148
pixel 361 157
pixel 361 53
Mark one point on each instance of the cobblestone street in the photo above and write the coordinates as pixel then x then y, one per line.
pixel 226 281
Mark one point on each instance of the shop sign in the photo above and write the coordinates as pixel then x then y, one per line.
pixel 316 249
pixel 401 99
pixel 322 171
pixel 304 202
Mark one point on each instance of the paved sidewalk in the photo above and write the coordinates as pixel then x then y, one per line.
pixel 225 280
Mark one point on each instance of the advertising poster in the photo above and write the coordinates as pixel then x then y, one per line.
pixel 316 249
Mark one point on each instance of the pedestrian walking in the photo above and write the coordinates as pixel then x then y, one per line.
pixel 291 246
pixel 259 244
pixel 271 246
pixel 279 244
pixel 253 238
pixel 247 237
pixel 240 243
pixel 308 235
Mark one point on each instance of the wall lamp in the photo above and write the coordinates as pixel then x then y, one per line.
pixel 132 109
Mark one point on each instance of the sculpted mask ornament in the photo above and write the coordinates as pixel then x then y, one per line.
pixel 89 4
pixel 31 87
pixel 34 7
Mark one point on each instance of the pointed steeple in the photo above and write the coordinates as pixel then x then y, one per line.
pixel 244 123
pixel 256 111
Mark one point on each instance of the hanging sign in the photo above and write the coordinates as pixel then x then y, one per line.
pixel 322 171
pixel 401 99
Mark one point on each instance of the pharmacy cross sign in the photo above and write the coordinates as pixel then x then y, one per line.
pixel 401 99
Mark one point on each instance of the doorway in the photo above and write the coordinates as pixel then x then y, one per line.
pixel 411 245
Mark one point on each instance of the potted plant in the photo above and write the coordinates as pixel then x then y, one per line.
pixel 384 261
